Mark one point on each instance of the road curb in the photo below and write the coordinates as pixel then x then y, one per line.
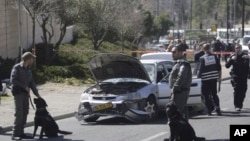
pixel 31 123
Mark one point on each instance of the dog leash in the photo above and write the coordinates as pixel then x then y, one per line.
pixel 31 102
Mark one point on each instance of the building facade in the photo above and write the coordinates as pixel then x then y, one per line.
pixel 11 28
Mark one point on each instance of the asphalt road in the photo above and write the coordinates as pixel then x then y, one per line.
pixel 213 128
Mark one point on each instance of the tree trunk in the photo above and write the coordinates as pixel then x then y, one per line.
pixel 33 32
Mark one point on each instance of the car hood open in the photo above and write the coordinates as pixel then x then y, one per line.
pixel 115 65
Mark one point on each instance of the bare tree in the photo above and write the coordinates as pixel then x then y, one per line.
pixel 33 8
pixel 49 13
pixel 65 14
pixel 129 20
pixel 95 17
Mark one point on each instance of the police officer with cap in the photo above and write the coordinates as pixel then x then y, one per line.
pixel 22 81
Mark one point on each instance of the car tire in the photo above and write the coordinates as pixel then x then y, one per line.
pixel 92 119
pixel 151 107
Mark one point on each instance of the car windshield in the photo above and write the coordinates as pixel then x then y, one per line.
pixel 150 70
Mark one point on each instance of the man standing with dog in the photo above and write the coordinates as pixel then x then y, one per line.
pixel 180 80
pixel 210 72
pixel 22 81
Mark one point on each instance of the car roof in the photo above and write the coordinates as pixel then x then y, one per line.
pixel 154 61
pixel 157 56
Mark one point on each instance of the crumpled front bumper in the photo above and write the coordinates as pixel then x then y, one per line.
pixel 119 109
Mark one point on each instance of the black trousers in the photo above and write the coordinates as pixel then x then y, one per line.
pixel 240 87
pixel 209 92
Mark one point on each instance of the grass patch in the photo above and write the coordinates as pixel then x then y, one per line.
pixel 5 97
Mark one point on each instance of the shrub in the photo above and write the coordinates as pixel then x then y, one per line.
pixel 5 67
pixel 70 64
pixel 78 70
pixel 41 53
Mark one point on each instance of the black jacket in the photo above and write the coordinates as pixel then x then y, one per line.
pixel 240 65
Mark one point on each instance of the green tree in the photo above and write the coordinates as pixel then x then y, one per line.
pixel 95 17
pixel 34 8
pixel 210 12
pixel 162 24
pixel 55 13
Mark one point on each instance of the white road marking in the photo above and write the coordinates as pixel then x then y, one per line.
pixel 154 136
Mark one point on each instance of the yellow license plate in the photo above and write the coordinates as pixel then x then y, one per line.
pixel 103 106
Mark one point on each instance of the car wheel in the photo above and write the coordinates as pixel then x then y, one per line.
pixel 151 107
pixel 92 119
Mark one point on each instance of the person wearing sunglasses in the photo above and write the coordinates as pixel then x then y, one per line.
pixel 180 79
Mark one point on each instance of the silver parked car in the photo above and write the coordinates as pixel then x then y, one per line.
pixel 126 88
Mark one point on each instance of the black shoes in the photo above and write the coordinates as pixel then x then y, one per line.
pixel 16 138
pixel 237 109
pixel 23 136
pixel 218 112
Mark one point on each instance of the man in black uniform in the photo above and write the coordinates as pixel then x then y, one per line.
pixel 239 72
pixel 210 72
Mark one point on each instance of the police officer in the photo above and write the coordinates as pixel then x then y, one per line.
pixel 22 82
pixel 210 72
pixel 180 80
pixel 239 72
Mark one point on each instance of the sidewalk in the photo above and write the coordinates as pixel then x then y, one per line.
pixel 62 101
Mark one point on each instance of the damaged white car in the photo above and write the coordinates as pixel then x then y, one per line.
pixel 125 88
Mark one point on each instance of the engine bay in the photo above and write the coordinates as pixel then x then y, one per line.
pixel 116 88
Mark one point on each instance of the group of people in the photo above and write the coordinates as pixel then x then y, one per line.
pixel 209 70
pixel 173 43
pixel 180 79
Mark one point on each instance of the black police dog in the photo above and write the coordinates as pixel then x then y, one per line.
pixel 45 120
pixel 180 129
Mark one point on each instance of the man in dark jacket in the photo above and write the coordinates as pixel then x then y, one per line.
pixel 210 72
pixel 239 73
pixel 22 81
pixel 180 80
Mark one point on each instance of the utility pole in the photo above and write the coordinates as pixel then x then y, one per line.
pixel 227 20
pixel 191 10
pixel 243 18
pixel 20 50
pixel 158 8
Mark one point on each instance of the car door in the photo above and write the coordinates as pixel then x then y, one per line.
pixel 163 86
